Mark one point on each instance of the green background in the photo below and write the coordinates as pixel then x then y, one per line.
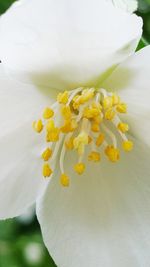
pixel 20 239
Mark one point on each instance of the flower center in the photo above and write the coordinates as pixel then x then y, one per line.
pixel 87 117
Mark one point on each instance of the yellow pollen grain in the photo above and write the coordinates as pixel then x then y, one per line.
pixel 98 119
pixel 90 139
pixel 79 168
pixel 123 127
pixel 112 153
pixel 95 127
pixel 66 112
pixel 46 154
pixel 63 98
pixel 121 108
pixel 115 99
pixel 82 138
pixel 53 136
pixel 127 145
pixel 37 126
pixel 48 113
pixel 107 102
pixel 64 180
pixel 69 143
pixel 110 114
pixel 100 139
pixel 94 156
pixel 50 125
pixel 47 171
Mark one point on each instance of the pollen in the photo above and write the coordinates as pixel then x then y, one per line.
pixel 62 98
pixel 127 145
pixel 53 135
pixel 123 127
pixel 122 108
pixel 85 122
pixel 112 153
pixel 110 114
pixel 38 126
pixel 64 179
pixel 47 153
pixel 79 168
pixel 107 102
pixel 94 156
pixel 48 113
pixel 69 143
pixel 47 171
pixel 100 139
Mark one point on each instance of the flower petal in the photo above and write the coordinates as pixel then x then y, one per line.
pixel 20 102
pixel 132 81
pixel 68 44
pixel 21 179
pixel 103 218
pixel 127 5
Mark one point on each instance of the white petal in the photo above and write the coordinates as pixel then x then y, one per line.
pixel 21 179
pixel 132 81
pixel 127 5
pixel 103 218
pixel 20 102
pixel 66 44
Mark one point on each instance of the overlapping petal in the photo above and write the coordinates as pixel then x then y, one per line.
pixel 131 79
pixel 127 5
pixel 66 44
pixel 20 102
pixel 20 164
pixel 103 219
pixel 20 173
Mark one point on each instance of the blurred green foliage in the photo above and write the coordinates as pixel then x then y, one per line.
pixel 21 244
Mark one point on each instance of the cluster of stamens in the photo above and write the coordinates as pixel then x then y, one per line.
pixel 86 119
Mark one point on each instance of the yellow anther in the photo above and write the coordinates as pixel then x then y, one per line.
pixel 66 112
pixel 50 126
pixel 100 140
pixel 90 139
pixel 91 112
pixel 98 119
pixel 95 127
pixel 76 101
pixel 69 143
pixel 121 108
pixel 79 168
pixel 123 127
pixel 63 98
pixel 112 153
pixel 127 145
pixel 94 156
pixel 87 94
pixel 82 138
pixel 38 126
pixel 69 126
pixel 47 171
pixel 64 179
pixel 107 102
pixel 53 136
pixel 115 99
pixel 110 114
pixel 46 154
pixel 48 113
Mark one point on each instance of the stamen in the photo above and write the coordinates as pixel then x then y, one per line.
pixel 86 117
pixel 47 171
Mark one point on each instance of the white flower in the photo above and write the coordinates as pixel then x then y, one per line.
pixel 103 218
